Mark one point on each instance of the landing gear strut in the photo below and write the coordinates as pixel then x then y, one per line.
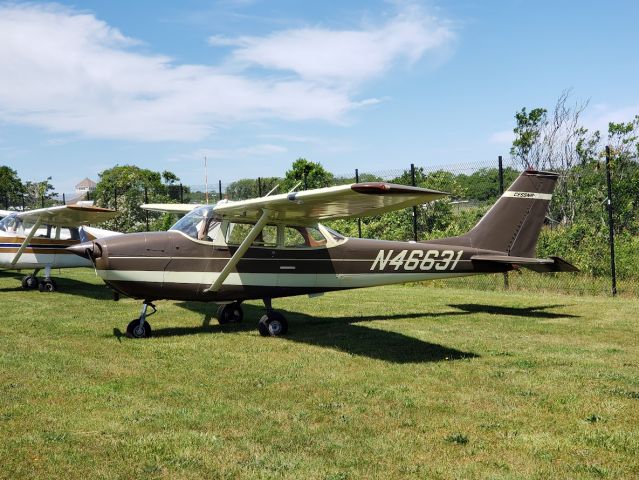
pixel 230 313
pixel 272 323
pixel 140 328
pixel 47 285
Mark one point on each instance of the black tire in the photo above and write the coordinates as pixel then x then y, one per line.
pixel 230 313
pixel 272 324
pixel 47 285
pixel 133 329
pixel 30 282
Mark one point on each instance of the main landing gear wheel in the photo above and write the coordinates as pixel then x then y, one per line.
pixel 30 282
pixel 47 285
pixel 135 330
pixel 272 324
pixel 230 313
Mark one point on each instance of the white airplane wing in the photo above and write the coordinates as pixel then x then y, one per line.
pixel 67 215
pixel 344 201
pixel 170 207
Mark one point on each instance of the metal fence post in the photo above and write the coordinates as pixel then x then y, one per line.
pixel 181 193
pixel 359 220
pixel 219 187
pixel 259 186
pixel 146 200
pixel 412 175
pixel 501 192
pixel 611 225
pixel 64 200
pixel 501 175
pixel 115 198
pixel 42 200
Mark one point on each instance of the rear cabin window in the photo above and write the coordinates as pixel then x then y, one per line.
pixel 303 237
pixel 237 232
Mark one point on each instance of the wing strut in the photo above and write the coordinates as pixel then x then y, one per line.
pixel 239 253
pixel 25 244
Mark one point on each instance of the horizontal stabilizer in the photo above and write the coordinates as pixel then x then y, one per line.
pixel 540 265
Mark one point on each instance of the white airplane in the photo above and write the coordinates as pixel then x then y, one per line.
pixel 37 239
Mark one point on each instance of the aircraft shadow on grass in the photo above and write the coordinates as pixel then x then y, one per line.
pixel 343 333
pixel 338 333
pixel 528 312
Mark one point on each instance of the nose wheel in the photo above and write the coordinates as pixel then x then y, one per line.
pixel 30 282
pixel 140 328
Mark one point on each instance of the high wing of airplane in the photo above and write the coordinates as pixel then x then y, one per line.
pixel 273 246
pixel 38 239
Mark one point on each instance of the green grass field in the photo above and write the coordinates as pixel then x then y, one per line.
pixel 393 382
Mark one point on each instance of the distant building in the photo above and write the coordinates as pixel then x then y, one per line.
pixel 85 186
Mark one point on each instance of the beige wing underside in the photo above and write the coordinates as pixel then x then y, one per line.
pixel 344 201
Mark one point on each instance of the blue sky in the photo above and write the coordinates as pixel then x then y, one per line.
pixel 253 84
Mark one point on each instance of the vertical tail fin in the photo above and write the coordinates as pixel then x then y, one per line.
pixel 513 223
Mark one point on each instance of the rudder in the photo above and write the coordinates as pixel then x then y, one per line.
pixel 514 222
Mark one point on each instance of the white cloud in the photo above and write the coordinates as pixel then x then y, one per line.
pixel 289 138
pixel 604 114
pixel 253 151
pixel 343 56
pixel 70 72
pixel 503 137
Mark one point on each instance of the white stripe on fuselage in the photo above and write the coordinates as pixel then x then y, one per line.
pixel 37 260
pixel 319 280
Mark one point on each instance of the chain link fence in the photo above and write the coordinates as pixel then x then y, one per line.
pixel 473 186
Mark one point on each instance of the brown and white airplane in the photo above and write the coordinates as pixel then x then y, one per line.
pixel 38 239
pixel 273 246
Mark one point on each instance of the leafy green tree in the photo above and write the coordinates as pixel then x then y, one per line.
pixel 528 132
pixel 123 187
pixel 10 186
pixel 308 174
pixel 483 185
pixel 39 194
pixel 250 188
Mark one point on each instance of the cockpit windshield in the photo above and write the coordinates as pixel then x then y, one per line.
pixel 198 224
pixel 10 224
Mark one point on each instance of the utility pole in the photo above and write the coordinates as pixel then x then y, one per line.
pixel 206 182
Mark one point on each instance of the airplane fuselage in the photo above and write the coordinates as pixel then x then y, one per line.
pixel 174 266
